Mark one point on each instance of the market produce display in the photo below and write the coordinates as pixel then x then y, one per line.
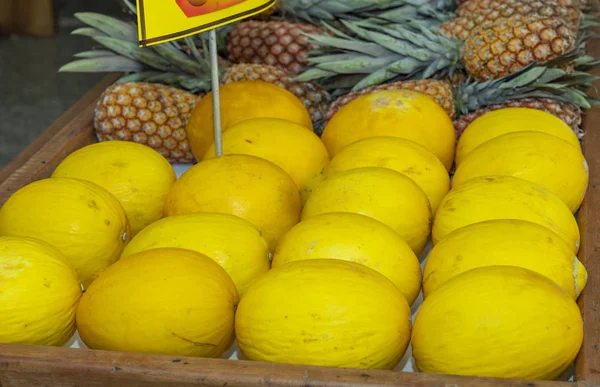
pixel 398 179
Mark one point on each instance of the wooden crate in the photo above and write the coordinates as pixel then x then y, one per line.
pixel 29 366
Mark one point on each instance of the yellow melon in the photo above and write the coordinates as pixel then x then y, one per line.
pixel 241 101
pixel 39 293
pixel 505 197
pixel 404 156
pixel 380 193
pixel 286 144
pixel 246 186
pixel 82 220
pixel 498 321
pixel 326 313
pixel 231 241
pixel 534 156
pixel 397 113
pixel 510 120
pixel 165 301
pixel 508 242
pixel 137 175
pixel 356 238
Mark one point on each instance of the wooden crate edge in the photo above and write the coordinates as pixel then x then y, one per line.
pixel 32 366
pixel 588 361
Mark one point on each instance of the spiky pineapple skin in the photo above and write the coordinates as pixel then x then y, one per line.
pixel 147 113
pixel 494 50
pixel 569 9
pixel 475 13
pixel 275 43
pixel 440 91
pixel 312 96
pixel 467 5
pixel 570 114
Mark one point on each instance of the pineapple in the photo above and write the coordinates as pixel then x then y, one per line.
pixel 150 114
pixel 178 64
pixel 470 6
pixel 476 13
pixel 379 54
pixel 274 43
pixel 572 8
pixel 486 56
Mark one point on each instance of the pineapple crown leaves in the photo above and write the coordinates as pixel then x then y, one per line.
pixel 533 81
pixel 119 52
pixel 382 53
pixel 430 19
pixel 314 11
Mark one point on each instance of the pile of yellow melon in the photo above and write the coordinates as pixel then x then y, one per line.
pixel 310 250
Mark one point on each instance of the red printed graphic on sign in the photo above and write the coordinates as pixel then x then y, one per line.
pixel 193 8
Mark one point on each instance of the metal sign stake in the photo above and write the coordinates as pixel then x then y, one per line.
pixel 214 69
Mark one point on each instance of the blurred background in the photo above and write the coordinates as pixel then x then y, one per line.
pixel 32 93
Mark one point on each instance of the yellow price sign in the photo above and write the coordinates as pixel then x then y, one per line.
pixel 164 20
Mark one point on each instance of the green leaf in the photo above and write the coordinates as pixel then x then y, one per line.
pixel 351 45
pixel 151 59
pixel 133 51
pixel 358 65
pixel 103 65
pixel 551 74
pixel 117 45
pixel 376 78
pixel 405 66
pixel 436 67
pixel 178 58
pixel 189 41
pixel 109 25
pixel 337 32
pixel 333 58
pixel 137 77
pixel 313 74
pixel 94 54
pixel 195 83
pixel 398 46
pixel 88 31
pixel 525 78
